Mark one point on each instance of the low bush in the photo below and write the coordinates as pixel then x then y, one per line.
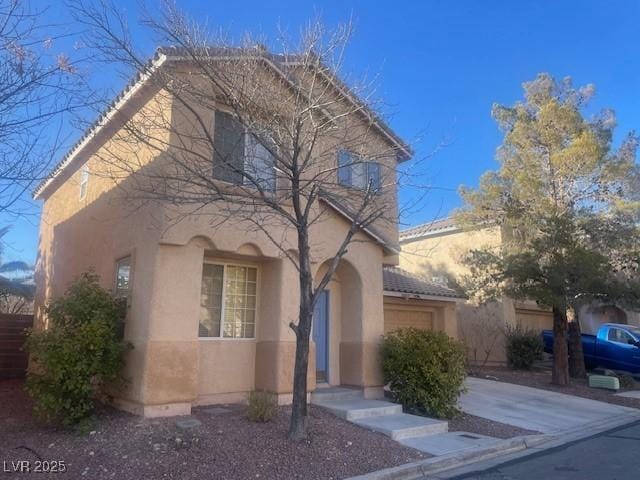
pixel 262 406
pixel 424 370
pixel 524 347
pixel 79 351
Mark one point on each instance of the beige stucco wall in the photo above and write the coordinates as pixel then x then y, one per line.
pixel 170 368
pixel 169 365
pixel 480 327
pixel 531 316
pixel 444 253
pixel 594 314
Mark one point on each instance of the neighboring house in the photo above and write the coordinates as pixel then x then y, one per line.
pixel 435 251
pixel 209 306
pixel 414 302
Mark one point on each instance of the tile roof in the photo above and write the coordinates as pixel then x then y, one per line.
pixel 398 280
pixel 429 228
pixel 163 54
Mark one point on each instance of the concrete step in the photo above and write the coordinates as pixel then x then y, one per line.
pixel 329 394
pixel 403 425
pixel 449 443
pixel 354 409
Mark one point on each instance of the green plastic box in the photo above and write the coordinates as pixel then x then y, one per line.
pixel 603 381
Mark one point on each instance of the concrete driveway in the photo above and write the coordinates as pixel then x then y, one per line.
pixel 534 409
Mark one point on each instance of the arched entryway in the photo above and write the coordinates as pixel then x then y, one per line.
pixel 337 319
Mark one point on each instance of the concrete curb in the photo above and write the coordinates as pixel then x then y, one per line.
pixel 466 460
pixel 554 441
pixel 432 465
pixel 590 429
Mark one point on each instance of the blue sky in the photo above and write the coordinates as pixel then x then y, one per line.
pixel 441 66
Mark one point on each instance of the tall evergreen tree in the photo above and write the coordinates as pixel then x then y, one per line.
pixel 560 181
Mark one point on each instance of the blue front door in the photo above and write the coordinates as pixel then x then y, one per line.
pixel 321 335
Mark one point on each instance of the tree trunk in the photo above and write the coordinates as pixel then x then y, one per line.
pixel 577 367
pixel 560 375
pixel 298 423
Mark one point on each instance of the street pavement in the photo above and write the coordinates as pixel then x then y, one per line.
pixel 611 455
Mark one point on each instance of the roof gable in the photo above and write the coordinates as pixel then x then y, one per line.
pixel 164 55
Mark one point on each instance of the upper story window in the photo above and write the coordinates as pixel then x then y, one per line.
pixel 84 181
pixel 123 277
pixel 239 158
pixel 355 172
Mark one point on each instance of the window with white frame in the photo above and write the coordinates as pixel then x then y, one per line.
pixel 355 172
pixel 239 157
pixel 228 301
pixel 84 181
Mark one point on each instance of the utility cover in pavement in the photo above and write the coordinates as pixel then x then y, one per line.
pixel 445 443
pixel 187 423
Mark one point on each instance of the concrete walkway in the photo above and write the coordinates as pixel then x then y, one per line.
pixel 541 410
pixel 428 435
pixel 629 394
pixel 561 418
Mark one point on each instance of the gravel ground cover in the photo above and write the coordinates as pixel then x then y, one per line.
pixel 225 446
pixel 541 378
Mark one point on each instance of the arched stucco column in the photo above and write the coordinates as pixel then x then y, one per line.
pixel 362 318
pixel 129 394
pixel 276 342
pixel 171 364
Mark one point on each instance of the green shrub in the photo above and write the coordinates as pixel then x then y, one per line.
pixel 424 370
pixel 262 406
pixel 77 353
pixel 524 347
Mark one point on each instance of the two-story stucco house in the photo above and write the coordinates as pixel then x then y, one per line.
pixel 209 306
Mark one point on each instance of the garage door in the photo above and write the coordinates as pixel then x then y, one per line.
pixel 396 317
pixel 534 319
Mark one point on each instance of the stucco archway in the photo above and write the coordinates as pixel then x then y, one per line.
pixel 344 315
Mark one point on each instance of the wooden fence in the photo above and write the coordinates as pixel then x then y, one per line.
pixel 13 360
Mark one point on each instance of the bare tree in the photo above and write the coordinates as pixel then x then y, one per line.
pixel 16 283
pixel 15 304
pixel 281 121
pixel 481 331
pixel 40 87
